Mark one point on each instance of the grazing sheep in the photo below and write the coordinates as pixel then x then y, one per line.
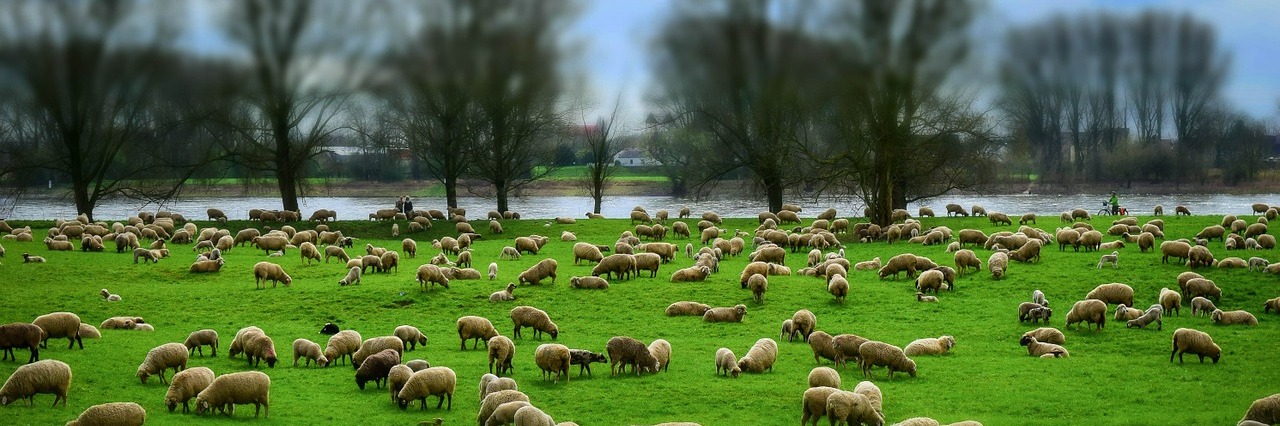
pixel 965 259
pixel 473 327
pixel 505 295
pixel 1178 249
pixel 1038 298
pixel 734 314
pixel 112 413
pixel 259 347
pixel 1034 312
pixel 902 262
pixel 1263 410
pixel 839 288
pixel 1200 305
pixel 1113 293
pixel 815 404
pixel 552 359
pixel 1195 342
pixel 1089 311
pixel 303 348
pixel 686 308
pixel 342 345
pixel 1047 335
pixel 1113 259
pixel 1233 317
pixel 45 376
pixel 198 339
pixel 824 376
pixel 629 351
pixel 543 269
pixel 823 346
pixel 1202 287
pixel 352 277
pixel 1040 349
pixel 1267 307
pixel 997 264
pixel 880 354
pixel 267 271
pixel 376 368
pixel 501 351
pixel 1152 314
pixel 727 362
pixel 397 377
pixel 21 335
pixel 930 280
pixel 250 387
pixel 242 336
pixel 528 316
pixel 435 381
pixel 60 324
pixel 852 408
pixel 760 357
pixel 758 285
pixel 490 403
pixel 428 273
pixel 376 345
pixel 186 384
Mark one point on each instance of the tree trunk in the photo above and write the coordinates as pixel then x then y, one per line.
pixel 500 190
pixel 773 190
pixel 287 178
pixel 679 188
pixel 451 192
pixel 598 200
pixel 81 193
pixel 286 171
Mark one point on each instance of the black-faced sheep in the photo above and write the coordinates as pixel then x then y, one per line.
pixel 1195 342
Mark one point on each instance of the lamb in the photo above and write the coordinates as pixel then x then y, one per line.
pixel 1263 410
pixel 1195 342
pixel 920 297
pixel 473 327
pixel 185 385
pixel 543 269
pixel 824 376
pixel 112 413
pixel 877 354
pixel 1112 258
pixel 376 345
pixel 853 408
pixel 506 295
pixel 1089 311
pixel 1040 349
pixel 352 277
pixel 1047 335
pixel 303 348
pixel 686 308
pixel 552 359
pixel 1152 314
pixel 267 271
pixel 1112 293
pixel 629 351
pixel 1125 313
pixel 60 324
pixel 589 282
pixel 997 264
pixel 44 376
pixel 727 362
pixel 734 314
pixel 411 336
pixel 522 316
pixel 198 339
pixel 377 367
pixel 342 345
pixel 583 359
pixel 760 357
pixel 21 335
pixel 1034 312
pixel 501 352
pixel 758 285
pixel 1200 305
pixel 249 387
pixel 1233 317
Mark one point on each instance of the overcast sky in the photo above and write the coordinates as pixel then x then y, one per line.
pixel 617 35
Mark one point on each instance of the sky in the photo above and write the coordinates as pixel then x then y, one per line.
pixel 617 34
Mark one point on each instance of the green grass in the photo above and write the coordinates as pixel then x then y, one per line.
pixel 1119 376
pixel 620 174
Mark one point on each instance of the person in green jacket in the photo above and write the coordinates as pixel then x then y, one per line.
pixel 1115 203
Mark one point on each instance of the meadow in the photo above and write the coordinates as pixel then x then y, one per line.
pixel 1116 376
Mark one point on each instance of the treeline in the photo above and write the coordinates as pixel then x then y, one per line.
pixel 868 98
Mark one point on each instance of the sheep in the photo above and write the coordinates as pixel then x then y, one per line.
pixel 528 316
pixel 1233 317
pixel 473 327
pixel 259 347
pixel 583 359
pixel 686 308
pixel 203 266
pixel 505 295
pixel 965 259
pixel 410 335
pixel 1178 249
pixel 303 348
pixel 1047 335
pixel 690 274
pixel 824 376
pixel 734 314
pixel 552 359
pixel 1270 305
pixel 1152 314
pixel 492 401
pixel 629 351
pixel 375 345
pixel 428 273
pixel 44 376
pixel 506 414
pixel 1202 287
pixel 352 277
pixel 727 362
pixel 242 336
pixel 390 260
pixel 1263 410
pixel 1112 293
pixel 269 243
pixel 397 376
pixel 60 324
pixel 868 265
pixel 997 218
pixel 1199 255
pixel 112 413
pixel 501 352
pixel 877 354
pixel 376 368
pixel 1034 312
pixel 853 408
pixel 930 280
pixel 1040 349
pixel 250 387
pixel 1195 342
pixel 619 264
pixel 589 282
pixel 647 262
pixel 815 404
pixel 185 385
pixel 1200 305
pixel 88 331
pixel 758 285
pixel 267 271
pixel 997 264
pixel 543 269
pixel 1089 311
pixel 21 335
pixel 823 346
pixel 902 262
pixel 760 357
pixel 839 288
pixel 198 339
pixel 920 297
pixel 1125 313
pixel 342 345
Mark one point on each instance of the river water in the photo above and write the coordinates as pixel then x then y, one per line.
pixel 34 207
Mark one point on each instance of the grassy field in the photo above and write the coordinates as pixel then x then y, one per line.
pixel 1118 376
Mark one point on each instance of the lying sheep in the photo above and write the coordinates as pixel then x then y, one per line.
pixel 1125 313
pixel 505 295
pixel 1152 314
pixel 186 385
pixel 1040 349
pixel 198 339
pixel 1047 335
pixel 44 376
pixel 930 346
pixel 629 351
pixel 686 308
pixel 1264 411
pixel 1195 342
pixel 112 413
pixel 1233 317
pixel 733 314
pixel 589 282
pixel 877 354
pixel 250 387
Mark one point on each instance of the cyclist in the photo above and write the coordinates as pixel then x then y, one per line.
pixel 1115 203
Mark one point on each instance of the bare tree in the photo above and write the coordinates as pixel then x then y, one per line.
pixel 88 93
pixel 601 147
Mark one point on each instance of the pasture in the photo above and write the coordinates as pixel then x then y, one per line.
pixel 1116 376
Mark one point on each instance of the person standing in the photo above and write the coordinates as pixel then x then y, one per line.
pixel 1115 203
pixel 408 206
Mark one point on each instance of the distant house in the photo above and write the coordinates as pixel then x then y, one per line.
pixel 634 158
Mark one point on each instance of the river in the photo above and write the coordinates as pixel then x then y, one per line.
pixel 34 207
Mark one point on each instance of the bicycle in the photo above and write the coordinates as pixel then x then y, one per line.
pixel 1105 210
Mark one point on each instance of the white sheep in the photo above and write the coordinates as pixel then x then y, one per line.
pixel 44 376
pixel 227 390
pixel 303 348
pixel 160 358
pixel 267 271
pixel 434 381
pixel 727 362
pixel 1112 258
pixel 930 346
pixel 112 413
pixel 186 385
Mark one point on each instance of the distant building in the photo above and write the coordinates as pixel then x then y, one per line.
pixel 634 158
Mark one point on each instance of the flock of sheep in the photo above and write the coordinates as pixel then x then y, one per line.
pixel 379 359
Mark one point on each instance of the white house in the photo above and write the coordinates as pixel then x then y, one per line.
pixel 634 158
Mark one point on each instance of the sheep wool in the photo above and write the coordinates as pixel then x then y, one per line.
pixel 396 379
pixel 411 336
pixel 60 324
pixel 629 351
pixel 823 346
pixel 1195 342
pixel 21 335
pixel 489 404
pixel 1233 317
pixel 880 354
pixel 661 350
pixel 727 362
pixel 267 271
pixel 435 381
pixel 112 413
pixel 186 385
pixel 853 408
pixel 376 368
pixel 501 351
pixel 1088 311
pixel 377 345
pixel 303 348
pixel 760 357
pixel 160 358
pixel 44 376
pixel 815 403
pixel 227 390
pixel 506 413
pixel 824 376
pixel 733 314
pixel 1264 410
pixel 477 328
pixel 553 360
pixel 528 316
pixel 930 346
pixel 342 344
